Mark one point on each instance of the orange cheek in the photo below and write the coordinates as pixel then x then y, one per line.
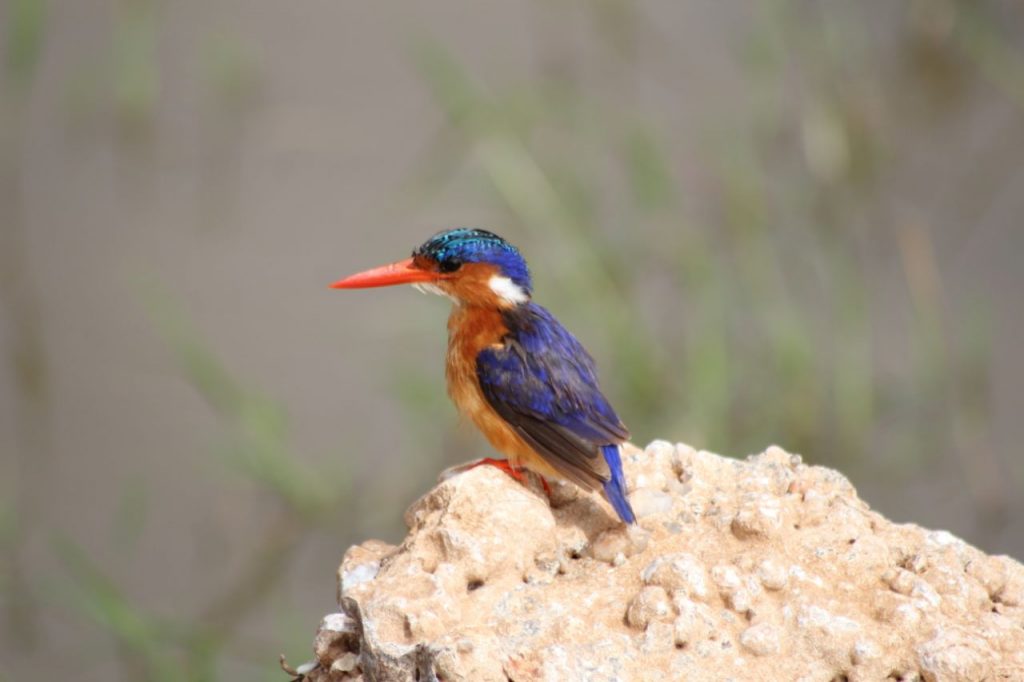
pixel 471 285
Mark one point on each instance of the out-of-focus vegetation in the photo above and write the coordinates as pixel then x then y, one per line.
pixel 25 29
pixel 257 449
pixel 732 293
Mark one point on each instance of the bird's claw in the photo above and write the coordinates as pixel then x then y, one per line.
pixel 504 465
pixel 515 472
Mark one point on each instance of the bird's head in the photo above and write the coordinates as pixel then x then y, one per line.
pixel 470 266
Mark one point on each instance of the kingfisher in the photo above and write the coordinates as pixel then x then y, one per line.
pixel 511 367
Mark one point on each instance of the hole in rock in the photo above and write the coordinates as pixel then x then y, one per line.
pixel 474 585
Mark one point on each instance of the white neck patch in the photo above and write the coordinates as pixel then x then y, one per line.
pixel 508 290
pixel 428 288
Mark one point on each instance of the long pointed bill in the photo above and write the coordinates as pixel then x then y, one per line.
pixel 401 272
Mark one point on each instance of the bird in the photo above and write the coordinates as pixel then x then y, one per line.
pixel 524 380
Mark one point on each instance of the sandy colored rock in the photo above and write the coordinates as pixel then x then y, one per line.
pixel 758 569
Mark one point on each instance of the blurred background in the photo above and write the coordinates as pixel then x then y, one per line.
pixel 783 221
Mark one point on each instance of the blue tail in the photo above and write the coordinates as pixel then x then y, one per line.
pixel 615 489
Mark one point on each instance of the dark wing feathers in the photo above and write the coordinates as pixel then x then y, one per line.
pixel 543 383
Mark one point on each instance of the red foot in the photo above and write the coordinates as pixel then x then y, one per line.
pixel 512 471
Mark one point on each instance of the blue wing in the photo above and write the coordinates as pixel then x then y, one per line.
pixel 544 384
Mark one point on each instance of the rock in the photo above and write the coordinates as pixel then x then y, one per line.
pixel 678 572
pixel 338 635
pixel 759 515
pixel 762 640
pixel 956 655
pixel 649 605
pixel 615 544
pixel 758 569
pixel 772 574
pixel 648 502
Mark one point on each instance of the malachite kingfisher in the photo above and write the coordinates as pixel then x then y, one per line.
pixel 512 368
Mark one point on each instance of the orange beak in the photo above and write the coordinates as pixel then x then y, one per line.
pixel 402 272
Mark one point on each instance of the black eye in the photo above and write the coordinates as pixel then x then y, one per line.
pixel 447 266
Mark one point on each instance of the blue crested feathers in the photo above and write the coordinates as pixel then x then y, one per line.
pixel 470 245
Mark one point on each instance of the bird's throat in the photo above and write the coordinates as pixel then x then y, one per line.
pixel 472 328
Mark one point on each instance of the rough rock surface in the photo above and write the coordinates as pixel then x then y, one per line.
pixel 764 569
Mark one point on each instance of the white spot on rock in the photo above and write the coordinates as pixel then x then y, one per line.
pixel 864 651
pixel 678 572
pixel 955 654
pixel 345 663
pixel 359 574
pixel 624 540
pixel 772 574
pixel 763 639
pixel 759 515
pixel 649 502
